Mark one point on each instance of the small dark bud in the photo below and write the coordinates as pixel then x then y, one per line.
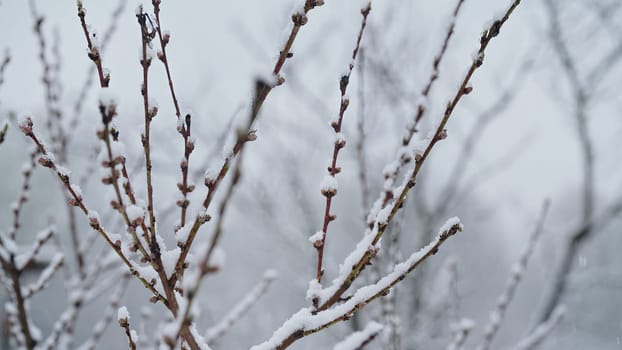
pixel 345 103
pixel 106 80
pixel 123 322
pixel 26 126
pixel 329 192
pixel 467 90
pixel 73 202
pixel 299 19
pixel 280 80
pixel 45 162
pixel 336 170
pixel 343 83
pixel 318 244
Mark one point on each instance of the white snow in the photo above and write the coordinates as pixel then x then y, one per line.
pixel 107 98
pixel 328 184
pixel 93 216
pixel 219 257
pixel 182 234
pixel 384 214
pixel 169 259
pixel 123 314
pixel 340 138
pixel 117 149
pixel 76 189
pixel 63 171
pixel 212 172
pixel 316 237
pixel 450 223
pixel 314 289
pixel 135 212
pixel 357 339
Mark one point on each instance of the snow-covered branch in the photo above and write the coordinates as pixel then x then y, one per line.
pixel 310 320
pixel 518 270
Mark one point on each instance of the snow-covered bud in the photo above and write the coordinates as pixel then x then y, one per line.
pixel 46 162
pixel 328 187
pixel 340 140
pixel 123 316
pixel 135 214
pixel 25 125
pixel 317 239
pixel 166 37
pixel 442 134
pixel 280 80
pixel 252 135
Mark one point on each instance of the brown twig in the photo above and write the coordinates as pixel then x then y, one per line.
pixel 391 172
pixel 311 320
pixel 183 124
pixel 108 315
pixel 329 189
pixel 389 211
pixel 425 92
pixel 76 200
pixel 360 143
pixel 262 90
pixel 79 102
pixel 124 322
pixel 108 112
pixel 94 50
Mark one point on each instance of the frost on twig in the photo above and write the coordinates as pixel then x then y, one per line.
pixel 497 315
pixel 460 330
pixel 328 187
pixel 358 340
pixel 238 311
pixel 540 333
pixel 94 47
pixel 123 316
pixel 310 320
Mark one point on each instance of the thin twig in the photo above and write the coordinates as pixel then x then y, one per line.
pixel 262 90
pixel 92 43
pixel 76 200
pixel 329 186
pixel 497 315
pixel 380 218
pixel 183 125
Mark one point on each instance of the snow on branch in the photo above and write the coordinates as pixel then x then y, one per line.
pixel 328 187
pixel 358 340
pixel 310 320
pixel 100 326
pixel 123 316
pixel 24 259
pixel 240 308
pixel 542 331
pixel 497 315
pixel 45 276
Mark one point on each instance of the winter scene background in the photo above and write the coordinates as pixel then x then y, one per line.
pixel 311 174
